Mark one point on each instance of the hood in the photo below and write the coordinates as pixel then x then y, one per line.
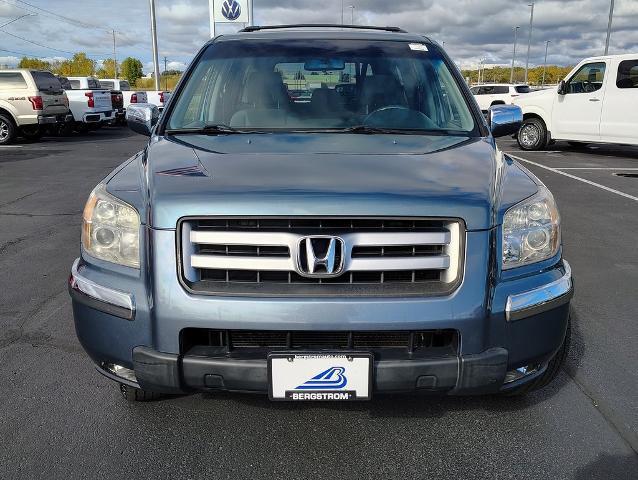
pixel 321 175
pixel 533 97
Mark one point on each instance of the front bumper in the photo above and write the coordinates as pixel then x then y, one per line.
pixel 528 330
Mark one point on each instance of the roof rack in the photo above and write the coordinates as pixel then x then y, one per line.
pixel 255 28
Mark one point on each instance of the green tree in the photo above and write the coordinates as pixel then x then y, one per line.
pixel 34 63
pixel 131 69
pixel 79 66
pixel 107 70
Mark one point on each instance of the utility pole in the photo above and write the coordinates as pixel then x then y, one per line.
pixel 341 12
pixel 513 55
pixel 529 39
pixel 251 19
pixel 165 76
pixel 114 56
pixel 611 16
pixel 154 35
pixel 545 63
pixel 351 14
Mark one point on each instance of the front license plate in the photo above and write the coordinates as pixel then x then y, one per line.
pixel 320 376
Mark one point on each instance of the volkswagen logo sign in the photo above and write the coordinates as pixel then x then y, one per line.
pixel 231 9
pixel 320 256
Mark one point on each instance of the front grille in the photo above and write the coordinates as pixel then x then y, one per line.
pixel 270 256
pixel 266 340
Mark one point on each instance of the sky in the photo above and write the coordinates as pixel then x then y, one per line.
pixel 472 30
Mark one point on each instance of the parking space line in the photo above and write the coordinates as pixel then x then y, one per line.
pixel 597 168
pixel 584 180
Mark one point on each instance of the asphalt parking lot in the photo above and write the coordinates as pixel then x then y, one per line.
pixel 59 418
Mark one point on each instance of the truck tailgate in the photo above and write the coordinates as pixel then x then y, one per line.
pixel 102 100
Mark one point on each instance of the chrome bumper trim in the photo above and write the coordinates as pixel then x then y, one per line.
pixel 541 299
pixel 108 300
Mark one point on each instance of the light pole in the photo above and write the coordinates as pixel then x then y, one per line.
pixel 529 39
pixel 351 7
pixel 545 63
pixel 16 19
pixel 154 35
pixel 114 57
pixel 611 16
pixel 341 12
pixel 513 55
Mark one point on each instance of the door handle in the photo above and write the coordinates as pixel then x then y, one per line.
pixel 594 99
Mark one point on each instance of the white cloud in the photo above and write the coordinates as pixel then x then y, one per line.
pixel 471 29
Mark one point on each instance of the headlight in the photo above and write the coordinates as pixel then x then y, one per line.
pixel 110 229
pixel 531 230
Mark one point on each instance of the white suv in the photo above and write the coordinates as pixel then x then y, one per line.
pixel 489 94
pixel 30 100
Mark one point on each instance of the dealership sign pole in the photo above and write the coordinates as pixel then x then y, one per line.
pixel 230 11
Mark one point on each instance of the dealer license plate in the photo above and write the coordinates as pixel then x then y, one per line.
pixel 320 376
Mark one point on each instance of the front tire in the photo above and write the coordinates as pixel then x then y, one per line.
pixel 132 394
pixel 7 130
pixel 532 135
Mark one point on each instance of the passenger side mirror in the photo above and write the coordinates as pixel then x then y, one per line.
pixel 504 119
pixel 142 117
pixel 562 87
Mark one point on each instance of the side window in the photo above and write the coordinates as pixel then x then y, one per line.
pixel 474 90
pixel 627 74
pixel 75 84
pixel 587 79
pixel 124 86
pixel 501 90
pixel 12 80
pixel 93 83
pixel 486 90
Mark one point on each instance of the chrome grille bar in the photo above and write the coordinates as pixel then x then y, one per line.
pixel 271 251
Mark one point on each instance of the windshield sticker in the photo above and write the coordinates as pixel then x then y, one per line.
pixel 418 46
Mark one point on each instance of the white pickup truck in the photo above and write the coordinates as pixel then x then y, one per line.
pixel 158 97
pixel 89 103
pixel 596 103
pixel 130 96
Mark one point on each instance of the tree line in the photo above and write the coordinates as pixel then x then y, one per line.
pixel 83 66
pixel 553 74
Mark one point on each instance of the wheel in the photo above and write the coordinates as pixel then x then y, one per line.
pixel 551 372
pixel 532 135
pixel 132 394
pixel 7 130
pixel 31 133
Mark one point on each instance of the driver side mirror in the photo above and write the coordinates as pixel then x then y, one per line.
pixel 142 117
pixel 562 87
pixel 504 119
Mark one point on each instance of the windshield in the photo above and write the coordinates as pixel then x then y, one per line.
pixel 297 85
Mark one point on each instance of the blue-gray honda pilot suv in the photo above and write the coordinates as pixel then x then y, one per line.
pixel 322 213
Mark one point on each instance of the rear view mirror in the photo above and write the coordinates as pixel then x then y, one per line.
pixel 504 119
pixel 323 64
pixel 142 117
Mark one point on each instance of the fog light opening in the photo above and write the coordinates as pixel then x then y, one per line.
pixel 521 372
pixel 120 371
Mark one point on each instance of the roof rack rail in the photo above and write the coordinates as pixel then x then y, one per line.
pixel 255 28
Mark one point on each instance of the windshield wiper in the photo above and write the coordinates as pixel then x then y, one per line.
pixel 211 129
pixel 371 130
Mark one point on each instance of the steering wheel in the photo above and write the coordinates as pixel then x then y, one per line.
pixel 398 116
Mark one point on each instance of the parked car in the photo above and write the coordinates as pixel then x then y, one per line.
pixel 129 96
pixel 490 94
pixel 596 103
pixel 29 101
pixel 90 104
pixel 258 244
